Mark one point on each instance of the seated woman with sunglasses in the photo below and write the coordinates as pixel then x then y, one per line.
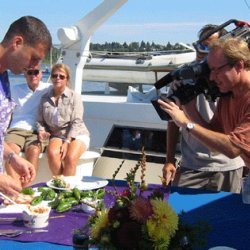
pixel 60 117
pixel 21 134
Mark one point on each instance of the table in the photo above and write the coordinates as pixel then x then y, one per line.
pixel 228 216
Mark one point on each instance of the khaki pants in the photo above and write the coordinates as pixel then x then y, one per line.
pixel 228 181
pixel 23 138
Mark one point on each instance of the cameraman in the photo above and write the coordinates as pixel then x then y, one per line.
pixel 229 130
pixel 199 167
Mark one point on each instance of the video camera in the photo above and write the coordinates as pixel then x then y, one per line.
pixel 198 72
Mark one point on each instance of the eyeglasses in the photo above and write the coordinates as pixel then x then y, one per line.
pixel 216 70
pixel 33 72
pixel 203 48
pixel 55 76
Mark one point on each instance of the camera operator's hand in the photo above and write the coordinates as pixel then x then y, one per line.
pixel 172 99
pixel 168 172
pixel 175 112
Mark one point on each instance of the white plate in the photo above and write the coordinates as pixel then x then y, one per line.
pixel 86 183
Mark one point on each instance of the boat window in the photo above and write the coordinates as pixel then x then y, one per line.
pixel 127 143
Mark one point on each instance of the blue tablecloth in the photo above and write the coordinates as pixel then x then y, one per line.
pixel 225 212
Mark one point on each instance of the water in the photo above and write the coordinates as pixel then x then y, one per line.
pixel 90 87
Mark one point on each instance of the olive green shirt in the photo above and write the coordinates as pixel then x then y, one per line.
pixel 69 115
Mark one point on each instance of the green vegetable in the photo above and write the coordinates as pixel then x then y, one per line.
pixel 28 190
pixel 41 189
pixel 54 203
pixel 61 195
pixel 63 207
pixel 36 200
pixel 67 194
pixel 76 193
pixel 59 183
pixel 84 194
pixel 72 200
pixel 100 193
pixel 49 195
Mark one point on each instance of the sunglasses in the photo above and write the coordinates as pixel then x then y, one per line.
pixel 55 76
pixel 33 72
pixel 201 48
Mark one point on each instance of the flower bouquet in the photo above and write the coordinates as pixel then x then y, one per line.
pixel 135 220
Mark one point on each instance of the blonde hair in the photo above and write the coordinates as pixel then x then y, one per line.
pixel 234 49
pixel 61 67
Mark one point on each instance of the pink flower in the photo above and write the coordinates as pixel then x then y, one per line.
pixel 141 209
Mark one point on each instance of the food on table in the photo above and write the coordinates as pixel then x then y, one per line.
pixel 28 190
pixel 40 199
pixel 20 199
pixel 59 181
pixel 47 194
pixel 92 200
pixel 33 196
pixel 38 209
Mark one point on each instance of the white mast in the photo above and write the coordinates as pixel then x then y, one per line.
pixel 75 40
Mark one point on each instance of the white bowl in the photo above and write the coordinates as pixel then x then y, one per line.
pixel 36 217
pixel 89 209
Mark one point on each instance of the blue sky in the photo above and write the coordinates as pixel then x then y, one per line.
pixel 158 21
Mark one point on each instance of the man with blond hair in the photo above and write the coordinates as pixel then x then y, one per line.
pixel 229 130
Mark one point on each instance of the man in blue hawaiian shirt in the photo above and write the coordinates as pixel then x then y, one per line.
pixel 25 44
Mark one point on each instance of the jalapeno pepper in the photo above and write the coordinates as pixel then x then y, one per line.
pixel 54 203
pixel 63 207
pixel 41 189
pixel 67 194
pixel 76 193
pixel 84 193
pixel 49 195
pixel 72 200
pixel 36 200
pixel 28 190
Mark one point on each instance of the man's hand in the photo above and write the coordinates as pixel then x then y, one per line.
pixel 9 186
pixel 24 168
pixel 168 172
pixel 175 112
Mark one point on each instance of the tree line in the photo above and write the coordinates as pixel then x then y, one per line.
pixel 119 47
pixel 134 47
